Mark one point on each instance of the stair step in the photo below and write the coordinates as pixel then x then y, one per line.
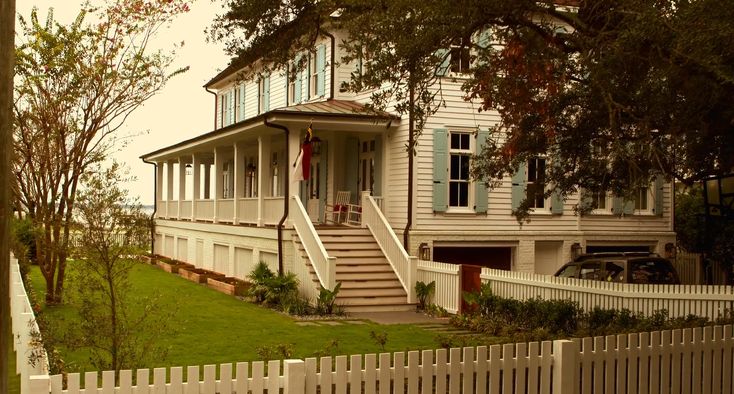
pixel 343 231
pixel 363 269
pixel 373 276
pixel 361 260
pixel 371 284
pixel 380 308
pixel 346 238
pixel 348 301
pixel 355 253
pixel 351 246
pixel 371 293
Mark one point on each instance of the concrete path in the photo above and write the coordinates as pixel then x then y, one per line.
pixel 404 317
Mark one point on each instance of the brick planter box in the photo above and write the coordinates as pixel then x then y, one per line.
pixel 198 275
pixel 168 266
pixel 147 259
pixel 228 285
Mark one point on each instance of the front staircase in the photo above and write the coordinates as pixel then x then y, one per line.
pixel 368 282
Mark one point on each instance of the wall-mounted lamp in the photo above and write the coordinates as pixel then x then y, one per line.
pixel 670 250
pixel 316 146
pixel 575 250
pixel 189 169
pixel 424 252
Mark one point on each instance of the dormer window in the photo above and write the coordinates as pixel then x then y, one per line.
pixel 460 56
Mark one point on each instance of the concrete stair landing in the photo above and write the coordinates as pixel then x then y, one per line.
pixel 369 283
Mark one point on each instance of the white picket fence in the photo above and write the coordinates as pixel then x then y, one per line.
pixel 448 283
pixel 689 267
pixel 692 361
pixel 679 300
pixel 23 323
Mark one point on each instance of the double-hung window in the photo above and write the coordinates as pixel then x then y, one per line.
pixel 460 151
pixel 460 56
pixel 535 186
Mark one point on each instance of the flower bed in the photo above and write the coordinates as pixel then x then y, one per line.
pixel 228 285
pixel 198 275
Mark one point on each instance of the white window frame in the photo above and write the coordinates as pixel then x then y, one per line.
pixel 223 114
pixel 292 75
pixel 608 202
pixel 463 152
pixel 546 208
pixel 313 76
pixel 649 203
pixel 260 94
pixel 454 48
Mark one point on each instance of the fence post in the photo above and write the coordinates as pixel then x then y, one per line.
pixel 39 384
pixel 412 278
pixel 564 367
pixel 294 373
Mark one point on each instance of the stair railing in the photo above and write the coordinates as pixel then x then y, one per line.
pixel 405 266
pixel 323 264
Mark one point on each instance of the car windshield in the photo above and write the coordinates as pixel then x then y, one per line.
pixel 568 271
pixel 652 271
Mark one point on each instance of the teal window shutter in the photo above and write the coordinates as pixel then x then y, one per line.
pixel 443 69
pixel 352 169
pixel 629 207
pixel 483 44
pixel 480 188
pixel 323 171
pixel 308 76
pixel 266 93
pixel 556 203
pixel 617 205
pixel 659 185
pixel 321 70
pixel 440 169
pixel 377 187
pixel 297 93
pixel 518 186
pixel 218 117
pixel 242 102
pixel 231 106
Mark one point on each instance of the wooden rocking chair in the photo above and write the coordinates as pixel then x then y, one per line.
pixel 337 212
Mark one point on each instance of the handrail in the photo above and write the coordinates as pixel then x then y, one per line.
pixel 323 264
pixel 404 265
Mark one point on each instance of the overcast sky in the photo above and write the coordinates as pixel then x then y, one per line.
pixel 183 109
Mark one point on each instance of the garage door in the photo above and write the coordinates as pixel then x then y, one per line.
pixel 491 257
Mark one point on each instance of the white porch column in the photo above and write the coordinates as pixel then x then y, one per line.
pixel 217 182
pixel 207 181
pixel 196 179
pixel 169 186
pixel 181 184
pixel 159 185
pixel 238 181
pixel 263 175
pixel 294 146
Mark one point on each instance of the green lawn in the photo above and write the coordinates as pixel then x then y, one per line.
pixel 213 328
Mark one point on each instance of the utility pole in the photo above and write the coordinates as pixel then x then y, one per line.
pixel 7 61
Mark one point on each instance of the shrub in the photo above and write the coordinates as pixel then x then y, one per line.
pixel 280 287
pixel 259 276
pixel 380 338
pixel 280 351
pixel 424 292
pixel 327 300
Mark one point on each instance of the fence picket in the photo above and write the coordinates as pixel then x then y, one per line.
pixel 399 373
pixel 520 364
pixel 142 381
pixel 494 369
pixel 192 380
pixel 257 384
pixel 384 373
pixel 325 376
pixel 533 368
pixel 687 357
pixel 355 374
pixel 312 377
pixel 426 372
pixel 242 380
pixel 727 364
pixel 274 374
pixel 340 381
pixel 441 370
pixel 176 385
pixel 633 354
pixel 454 370
pixel 370 372
pixel 413 371
pixel 644 363
pixel 159 381
pixel 546 365
pixel 481 370
pixel 225 379
pixel 468 370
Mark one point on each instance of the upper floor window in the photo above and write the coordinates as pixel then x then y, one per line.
pixel 642 200
pixel 460 56
pixel 263 89
pixel 460 152
pixel 317 72
pixel 535 185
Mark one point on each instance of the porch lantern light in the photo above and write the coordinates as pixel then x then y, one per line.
pixel 316 146
pixel 575 250
pixel 251 169
pixel 189 168
pixel 424 251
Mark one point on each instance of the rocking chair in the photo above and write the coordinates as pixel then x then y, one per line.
pixel 337 212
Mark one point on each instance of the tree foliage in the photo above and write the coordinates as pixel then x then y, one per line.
pixel 614 93
pixel 120 330
pixel 75 86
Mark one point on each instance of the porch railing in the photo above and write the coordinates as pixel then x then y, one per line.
pixel 272 209
pixel 323 264
pixel 161 209
pixel 247 210
pixel 204 209
pixel 172 211
pixel 405 266
pixel 185 210
pixel 225 210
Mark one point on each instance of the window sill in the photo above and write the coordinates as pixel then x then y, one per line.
pixel 460 212
pixel 541 213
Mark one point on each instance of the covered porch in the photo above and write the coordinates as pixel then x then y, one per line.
pixel 241 174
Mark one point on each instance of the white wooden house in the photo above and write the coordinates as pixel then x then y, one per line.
pixel 225 199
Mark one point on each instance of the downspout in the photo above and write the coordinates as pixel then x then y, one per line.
pixel 286 193
pixel 411 146
pixel 155 206
pixel 333 57
pixel 216 98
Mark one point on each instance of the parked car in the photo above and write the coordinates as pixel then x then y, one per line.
pixel 622 267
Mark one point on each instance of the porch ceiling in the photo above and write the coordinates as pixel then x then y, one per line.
pixel 330 115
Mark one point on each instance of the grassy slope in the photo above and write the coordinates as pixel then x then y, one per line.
pixel 212 328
